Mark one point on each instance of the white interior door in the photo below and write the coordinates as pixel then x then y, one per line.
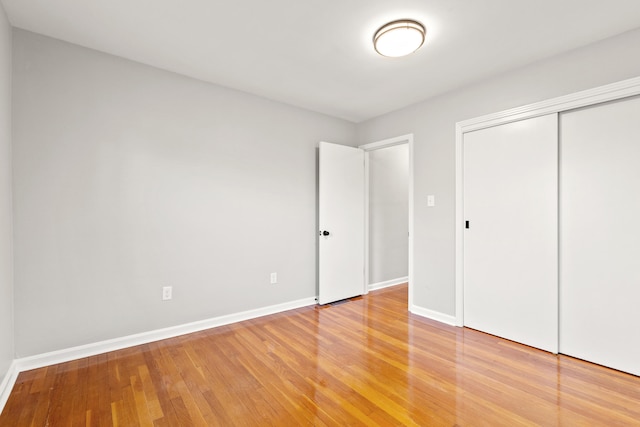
pixel 600 234
pixel 341 218
pixel 511 245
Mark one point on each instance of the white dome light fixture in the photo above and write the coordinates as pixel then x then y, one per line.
pixel 399 38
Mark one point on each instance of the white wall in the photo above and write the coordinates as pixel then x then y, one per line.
pixel 433 124
pixel 6 260
pixel 388 213
pixel 128 178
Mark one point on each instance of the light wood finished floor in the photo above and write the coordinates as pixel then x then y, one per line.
pixel 363 362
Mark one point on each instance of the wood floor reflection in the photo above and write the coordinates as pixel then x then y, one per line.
pixel 365 362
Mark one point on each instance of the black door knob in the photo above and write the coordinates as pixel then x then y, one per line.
pixel 325 233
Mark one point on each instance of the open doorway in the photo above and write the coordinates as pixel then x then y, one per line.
pixel 389 213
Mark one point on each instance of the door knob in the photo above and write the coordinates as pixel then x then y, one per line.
pixel 324 233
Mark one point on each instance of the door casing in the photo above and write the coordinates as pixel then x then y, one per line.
pixel 386 143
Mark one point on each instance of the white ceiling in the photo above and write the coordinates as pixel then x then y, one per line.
pixel 317 54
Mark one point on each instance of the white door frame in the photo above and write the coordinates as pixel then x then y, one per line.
pixel 399 140
pixel 611 92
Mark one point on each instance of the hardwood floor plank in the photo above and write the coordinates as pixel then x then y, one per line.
pixel 366 362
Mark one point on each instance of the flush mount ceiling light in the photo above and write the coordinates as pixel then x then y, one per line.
pixel 399 38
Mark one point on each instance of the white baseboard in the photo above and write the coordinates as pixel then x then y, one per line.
pixel 388 283
pixel 87 350
pixel 433 315
pixel 7 384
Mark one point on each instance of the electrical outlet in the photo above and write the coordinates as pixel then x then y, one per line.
pixel 167 292
pixel 274 278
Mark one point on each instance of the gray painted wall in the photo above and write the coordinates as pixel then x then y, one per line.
pixel 128 178
pixel 6 261
pixel 388 213
pixel 433 124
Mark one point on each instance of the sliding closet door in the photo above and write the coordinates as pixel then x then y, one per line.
pixel 600 234
pixel 510 247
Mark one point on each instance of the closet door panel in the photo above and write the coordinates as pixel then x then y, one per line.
pixel 510 247
pixel 600 234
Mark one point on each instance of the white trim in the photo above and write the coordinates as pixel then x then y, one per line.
pixel 459 228
pixel 610 92
pixel 367 186
pixel 388 283
pixel 6 386
pixel 411 222
pixel 385 143
pixel 433 315
pixel 398 140
pixel 73 353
